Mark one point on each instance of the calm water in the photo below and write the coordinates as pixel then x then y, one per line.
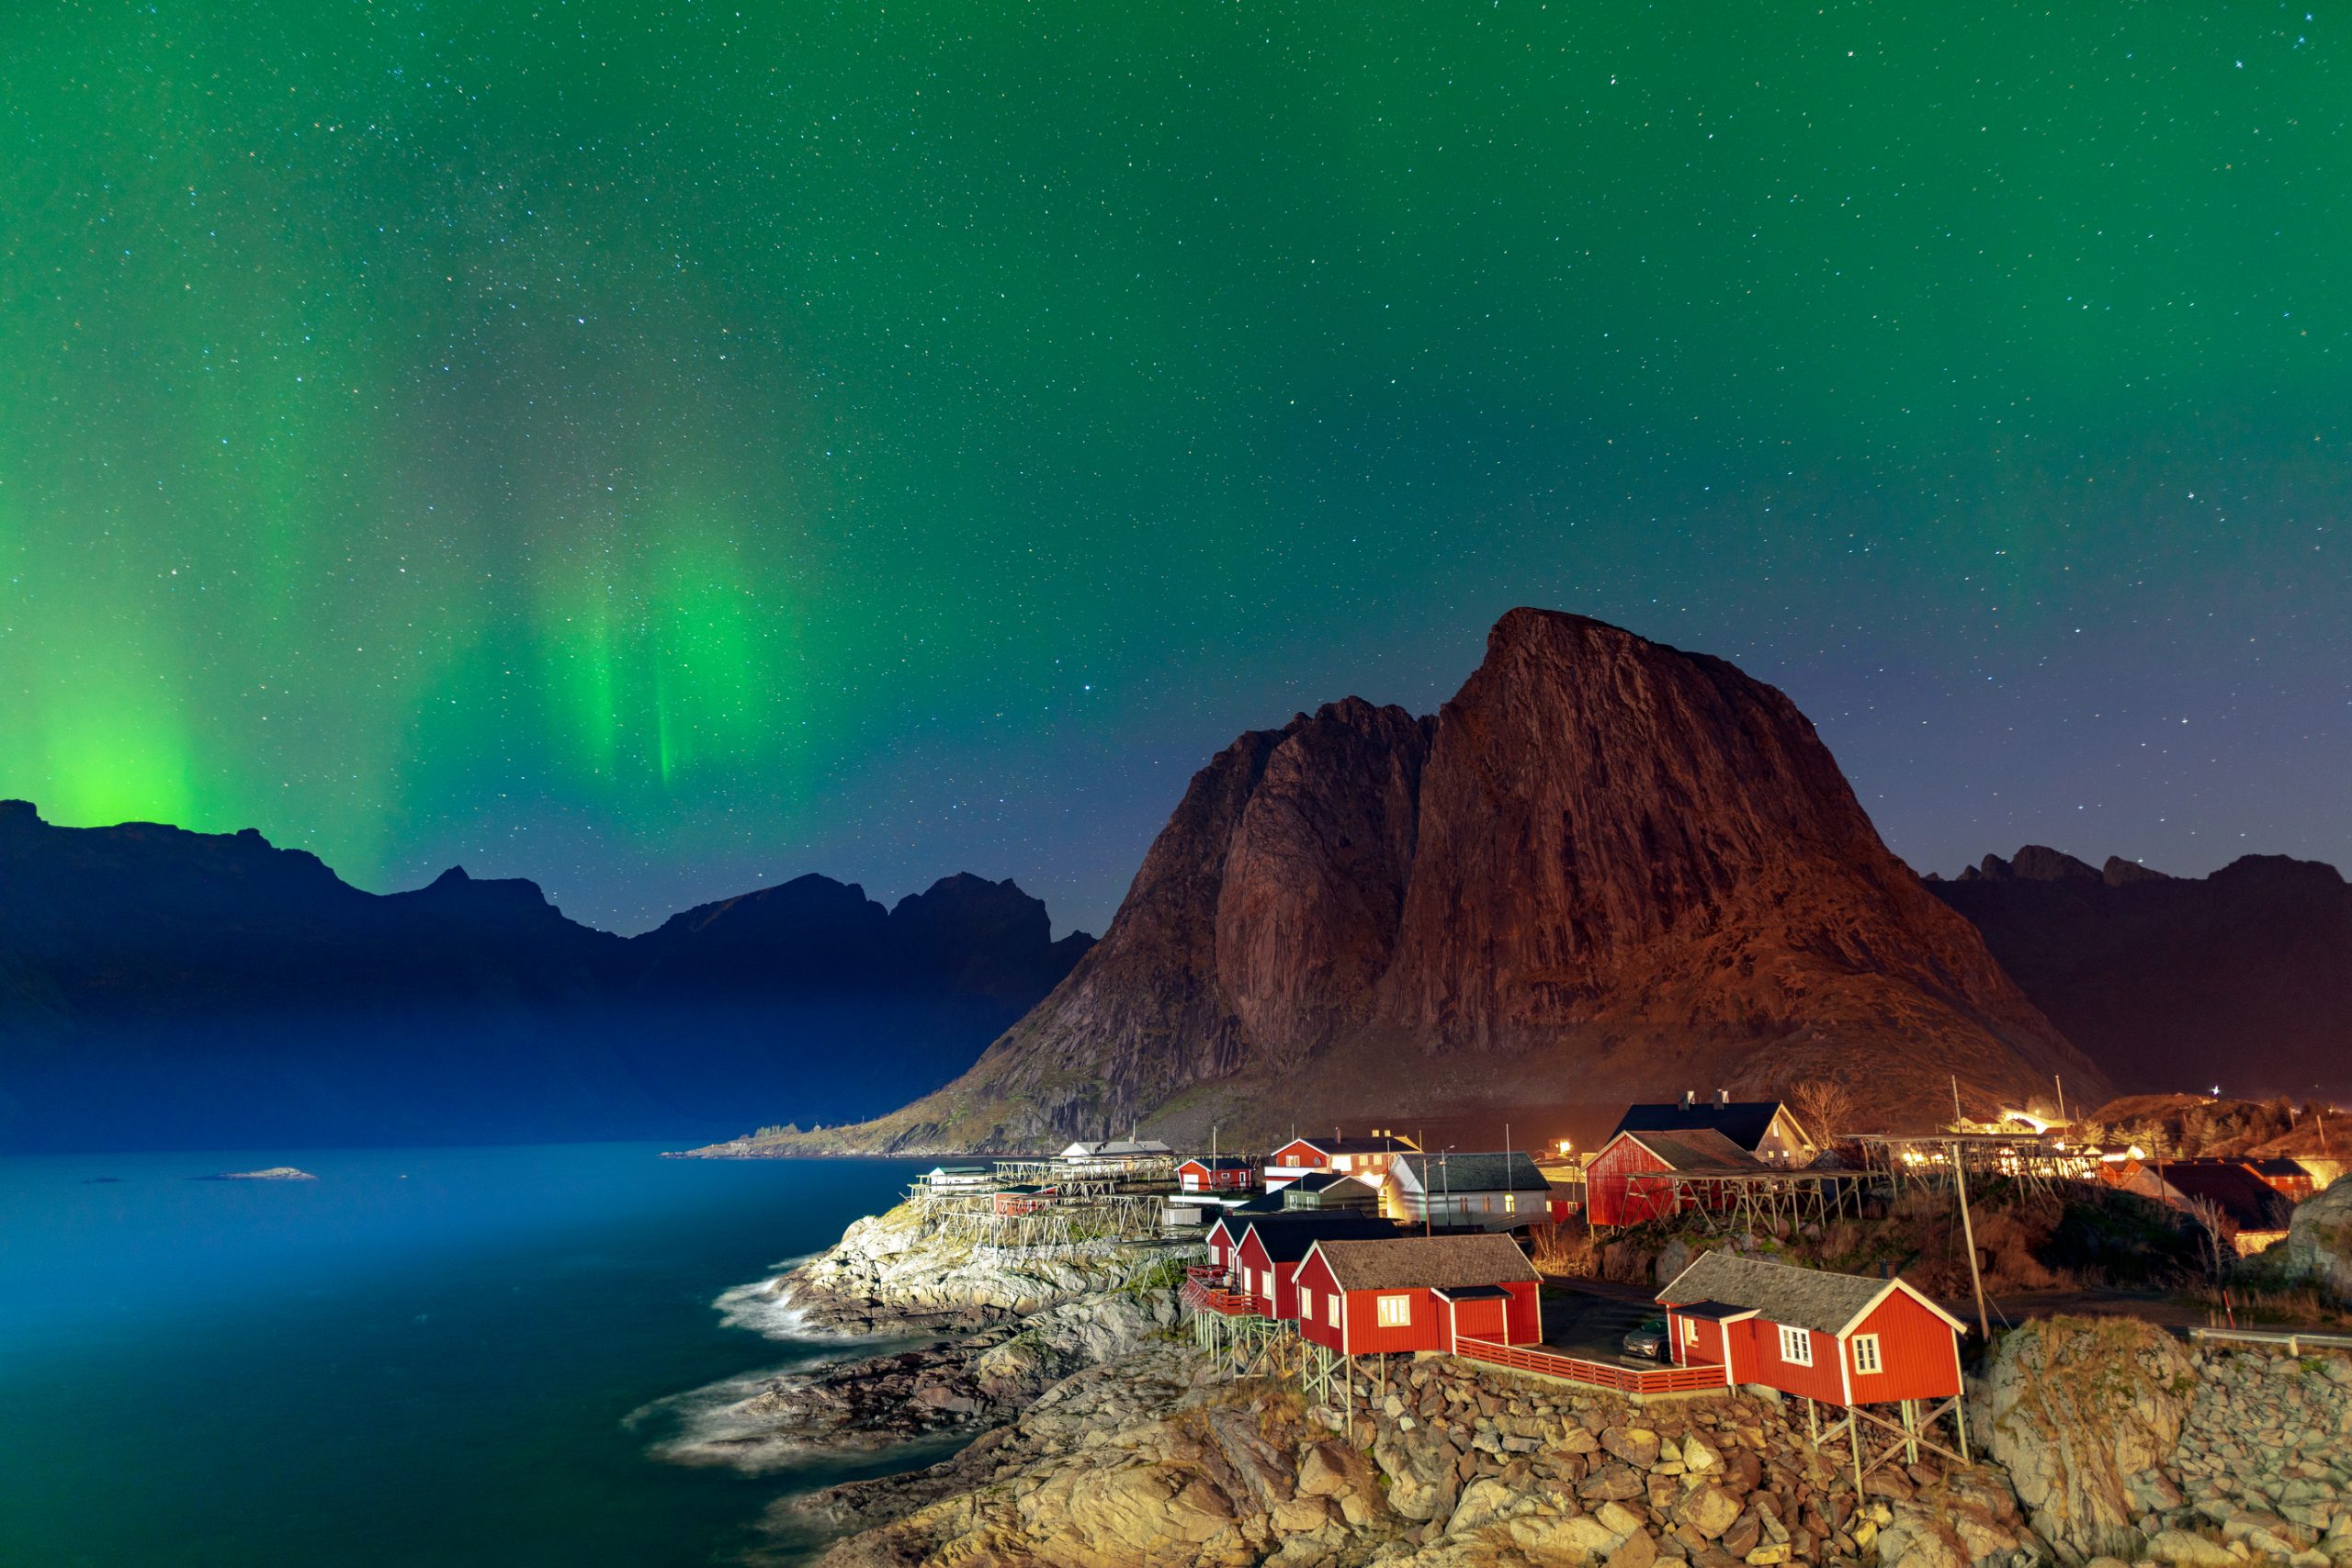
pixel 428 1356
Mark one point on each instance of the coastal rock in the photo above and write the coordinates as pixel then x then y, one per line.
pixel 2083 1413
pixel 1603 857
pixel 2319 1241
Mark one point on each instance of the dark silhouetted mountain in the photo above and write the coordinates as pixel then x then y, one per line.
pixel 1607 869
pixel 165 989
pixel 2243 978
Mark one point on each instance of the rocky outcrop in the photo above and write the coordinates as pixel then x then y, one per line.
pixel 1605 865
pixel 2319 1240
pixel 1151 1460
pixel 2265 1456
pixel 2083 1414
pixel 2170 983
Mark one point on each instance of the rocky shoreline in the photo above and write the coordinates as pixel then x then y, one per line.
pixel 1100 1438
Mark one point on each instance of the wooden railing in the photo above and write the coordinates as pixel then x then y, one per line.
pixel 2292 1338
pixel 1597 1374
pixel 1201 1296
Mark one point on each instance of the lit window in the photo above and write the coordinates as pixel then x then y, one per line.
pixel 1331 1311
pixel 1866 1353
pixel 1395 1311
pixel 1305 1302
pixel 1689 1331
pixel 1796 1347
pixel 1511 1202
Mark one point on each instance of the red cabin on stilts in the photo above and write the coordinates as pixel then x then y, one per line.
pixel 1380 1297
pixel 1839 1339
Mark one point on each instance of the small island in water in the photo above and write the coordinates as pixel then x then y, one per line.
pixel 274 1173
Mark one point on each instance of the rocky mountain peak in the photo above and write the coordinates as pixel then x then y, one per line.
pixel 1605 868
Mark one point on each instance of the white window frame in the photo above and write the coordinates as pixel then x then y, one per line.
pixel 1395 1311
pixel 1306 1303
pixel 1331 1310
pixel 1867 1357
pixel 1796 1345
pixel 1691 1332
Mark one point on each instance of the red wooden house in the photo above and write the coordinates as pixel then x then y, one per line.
pixel 1616 1194
pixel 1840 1338
pixel 1366 1160
pixel 1216 1173
pixel 1376 1297
pixel 1024 1199
pixel 1273 1244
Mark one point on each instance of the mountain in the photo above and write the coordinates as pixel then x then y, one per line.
pixel 165 989
pixel 1607 869
pixel 2243 978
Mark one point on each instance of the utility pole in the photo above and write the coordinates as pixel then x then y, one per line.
pixel 1956 1117
pixel 1968 1235
pixel 2059 1079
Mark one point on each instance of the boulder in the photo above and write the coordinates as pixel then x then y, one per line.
pixel 1568 1540
pixel 1710 1510
pixel 1636 1445
pixel 2178 1548
pixel 1322 1472
pixel 2319 1240
pixel 2083 1413
pixel 1613 1482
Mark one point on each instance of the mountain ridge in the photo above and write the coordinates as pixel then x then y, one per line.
pixel 164 987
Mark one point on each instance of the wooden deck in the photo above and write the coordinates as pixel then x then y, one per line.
pixel 1592 1374
pixel 1203 1296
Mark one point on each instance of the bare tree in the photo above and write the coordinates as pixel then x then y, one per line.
pixel 2220 1249
pixel 1825 1109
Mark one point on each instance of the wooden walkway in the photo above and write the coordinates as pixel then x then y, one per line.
pixel 1592 1374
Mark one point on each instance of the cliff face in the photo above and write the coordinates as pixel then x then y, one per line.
pixel 2242 979
pixel 163 988
pixel 1606 869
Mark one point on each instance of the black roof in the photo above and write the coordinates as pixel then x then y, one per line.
pixel 1743 1122
pixel 1218 1162
pixel 1472 1292
pixel 1316 1181
pixel 1713 1311
pixel 2244 1199
pixel 1388 1144
pixel 1459 1173
pixel 1287 1240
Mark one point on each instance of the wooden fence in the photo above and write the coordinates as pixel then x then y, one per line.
pixel 1595 1374
pixel 1201 1296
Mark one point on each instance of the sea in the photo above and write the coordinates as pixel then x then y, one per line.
pixel 430 1357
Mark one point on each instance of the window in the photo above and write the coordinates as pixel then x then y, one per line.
pixel 1689 1331
pixel 1305 1302
pixel 1796 1347
pixel 1331 1311
pixel 1866 1353
pixel 1511 1202
pixel 1395 1311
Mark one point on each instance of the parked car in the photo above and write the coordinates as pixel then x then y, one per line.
pixel 1648 1341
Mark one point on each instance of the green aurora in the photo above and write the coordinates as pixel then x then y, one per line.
pixel 646 448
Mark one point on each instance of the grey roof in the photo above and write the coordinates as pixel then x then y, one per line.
pixel 1220 1162
pixel 1801 1298
pixel 1426 1262
pixel 1458 1173
pixel 1320 1180
pixel 1702 1149
pixel 1743 1122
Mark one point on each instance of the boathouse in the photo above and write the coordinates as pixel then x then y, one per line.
pixel 1841 1339
pixel 1366 1160
pixel 1647 1176
pixel 1763 1128
pixel 1488 1192
pixel 1216 1173
pixel 1015 1201
pixel 1376 1297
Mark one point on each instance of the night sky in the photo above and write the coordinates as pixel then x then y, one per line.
pixel 656 450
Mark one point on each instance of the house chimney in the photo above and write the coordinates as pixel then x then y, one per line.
pixel 1723 1096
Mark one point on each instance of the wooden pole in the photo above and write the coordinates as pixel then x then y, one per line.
pixel 1968 1235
